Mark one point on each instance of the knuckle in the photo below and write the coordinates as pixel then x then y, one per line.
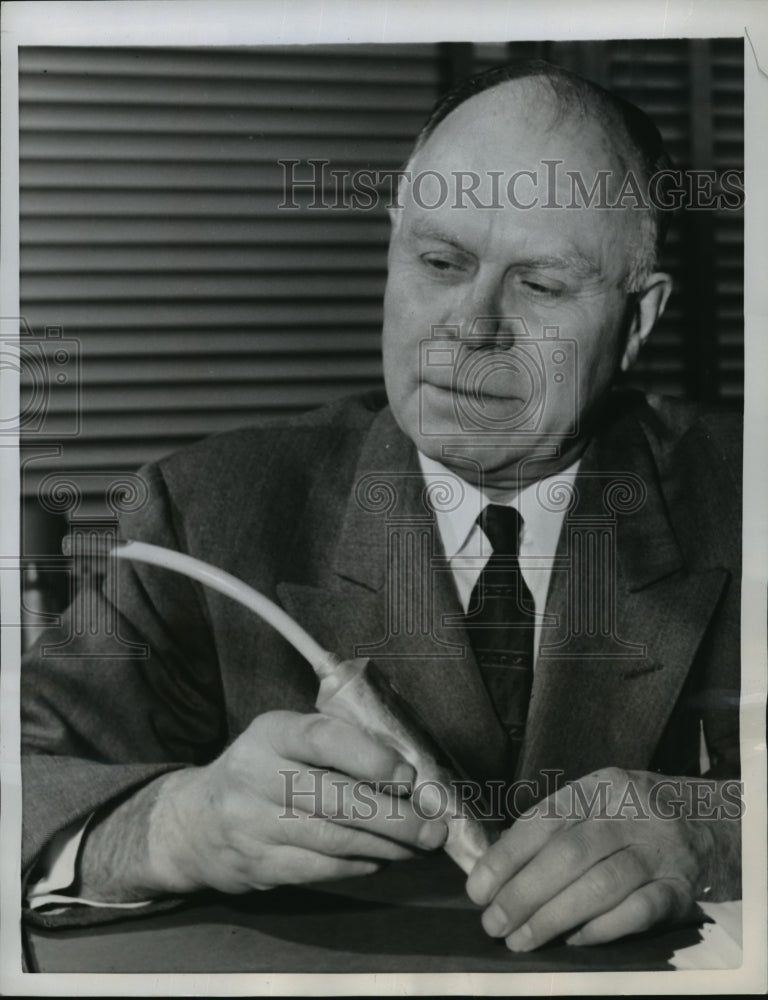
pixel 270 722
pixel 374 756
pixel 644 909
pixel 642 863
pixel 673 899
pixel 611 879
pixel 519 896
pixel 657 901
pixel 314 735
pixel 266 733
pixel 616 779
pixel 330 837
pixel 229 809
pixel 495 862
pixel 238 763
pixel 575 847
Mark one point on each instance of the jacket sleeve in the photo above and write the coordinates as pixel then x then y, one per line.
pixel 125 688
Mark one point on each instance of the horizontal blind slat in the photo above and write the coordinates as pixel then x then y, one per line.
pixel 269 64
pixel 82 319
pixel 338 228
pixel 88 261
pixel 131 205
pixel 161 288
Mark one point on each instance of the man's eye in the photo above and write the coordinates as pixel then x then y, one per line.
pixel 441 264
pixel 544 291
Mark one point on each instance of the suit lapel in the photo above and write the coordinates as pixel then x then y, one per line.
pixel 612 668
pixel 385 592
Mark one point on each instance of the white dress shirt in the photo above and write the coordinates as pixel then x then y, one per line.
pixel 59 867
pixel 467 548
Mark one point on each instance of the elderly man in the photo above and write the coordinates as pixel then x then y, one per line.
pixel 596 680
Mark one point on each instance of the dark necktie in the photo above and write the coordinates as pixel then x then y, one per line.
pixel 500 624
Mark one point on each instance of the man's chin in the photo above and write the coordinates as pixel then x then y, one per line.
pixel 466 454
pixel 442 432
pixel 502 461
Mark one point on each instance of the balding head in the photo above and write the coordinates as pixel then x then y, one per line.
pixel 553 100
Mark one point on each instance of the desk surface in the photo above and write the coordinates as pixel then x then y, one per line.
pixel 411 917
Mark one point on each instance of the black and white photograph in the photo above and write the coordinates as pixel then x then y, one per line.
pixel 384 535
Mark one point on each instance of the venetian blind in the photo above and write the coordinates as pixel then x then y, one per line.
pixel 152 232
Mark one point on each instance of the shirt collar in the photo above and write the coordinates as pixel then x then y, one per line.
pixel 456 518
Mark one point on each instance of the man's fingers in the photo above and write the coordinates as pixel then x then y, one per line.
pixel 295 865
pixel 316 739
pixel 572 858
pixel 577 806
pixel 337 840
pixel 313 795
pixel 654 903
pixel 514 849
pixel 603 887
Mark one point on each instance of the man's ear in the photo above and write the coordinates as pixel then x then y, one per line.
pixel 647 306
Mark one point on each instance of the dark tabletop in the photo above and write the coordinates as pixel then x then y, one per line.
pixel 411 917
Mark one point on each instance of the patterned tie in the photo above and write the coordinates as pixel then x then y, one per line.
pixel 500 623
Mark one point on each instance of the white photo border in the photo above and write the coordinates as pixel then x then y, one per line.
pixel 244 22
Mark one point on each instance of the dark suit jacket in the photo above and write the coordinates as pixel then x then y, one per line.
pixel 293 508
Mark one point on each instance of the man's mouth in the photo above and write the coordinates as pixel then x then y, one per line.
pixel 478 394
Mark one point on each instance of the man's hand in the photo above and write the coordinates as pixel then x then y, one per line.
pixel 239 823
pixel 641 853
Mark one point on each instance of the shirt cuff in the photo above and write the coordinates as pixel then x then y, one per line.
pixel 58 868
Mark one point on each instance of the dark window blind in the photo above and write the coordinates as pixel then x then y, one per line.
pixel 151 231
pixel 727 83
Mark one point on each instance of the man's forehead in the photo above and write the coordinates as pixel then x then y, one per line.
pixel 514 125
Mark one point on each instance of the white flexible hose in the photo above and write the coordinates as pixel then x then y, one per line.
pixel 467 838
pixel 218 579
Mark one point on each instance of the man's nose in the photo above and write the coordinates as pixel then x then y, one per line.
pixel 487 318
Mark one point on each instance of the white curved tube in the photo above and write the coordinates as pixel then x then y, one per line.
pixel 218 579
pixel 346 690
